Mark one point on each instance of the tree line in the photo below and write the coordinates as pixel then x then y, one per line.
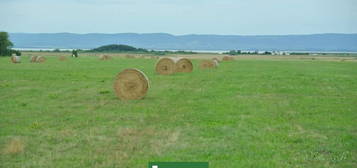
pixel 6 45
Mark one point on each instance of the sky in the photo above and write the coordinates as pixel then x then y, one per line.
pixel 178 17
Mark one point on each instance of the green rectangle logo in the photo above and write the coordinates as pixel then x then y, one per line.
pixel 178 165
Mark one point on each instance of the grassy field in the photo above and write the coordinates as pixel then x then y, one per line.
pixel 246 113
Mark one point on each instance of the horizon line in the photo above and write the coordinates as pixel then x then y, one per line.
pixel 303 34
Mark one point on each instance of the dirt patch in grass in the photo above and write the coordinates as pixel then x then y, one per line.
pixel 131 140
pixel 130 144
pixel 14 146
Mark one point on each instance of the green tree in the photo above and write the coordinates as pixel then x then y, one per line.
pixel 17 52
pixel 75 53
pixel 56 50
pixel 5 44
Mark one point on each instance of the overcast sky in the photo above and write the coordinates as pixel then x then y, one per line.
pixel 234 17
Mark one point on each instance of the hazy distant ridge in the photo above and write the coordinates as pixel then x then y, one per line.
pixel 316 42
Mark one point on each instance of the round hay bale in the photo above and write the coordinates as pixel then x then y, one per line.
pixel 131 84
pixel 129 56
pixel 216 63
pixel 208 64
pixel 166 66
pixel 228 58
pixel 216 59
pixel 33 59
pixel 62 58
pixel 15 59
pixel 40 59
pixel 104 57
pixel 184 65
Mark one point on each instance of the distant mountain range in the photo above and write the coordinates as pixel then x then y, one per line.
pixel 161 41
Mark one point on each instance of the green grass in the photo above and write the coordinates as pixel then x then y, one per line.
pixel 246 113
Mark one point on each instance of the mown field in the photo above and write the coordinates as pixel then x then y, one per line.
pixel 246 113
